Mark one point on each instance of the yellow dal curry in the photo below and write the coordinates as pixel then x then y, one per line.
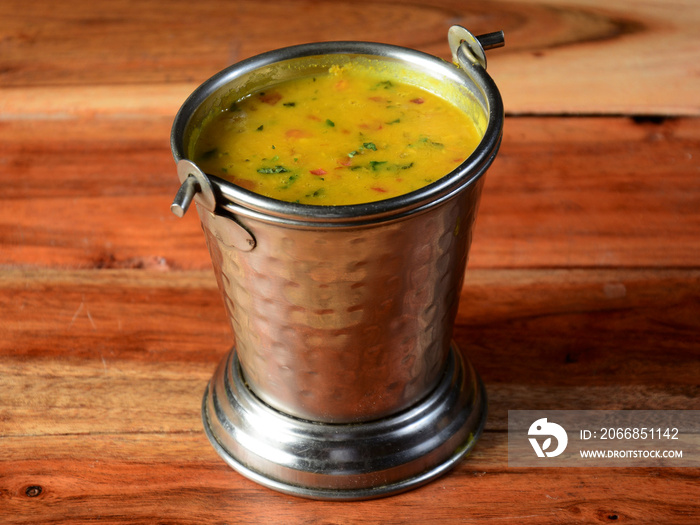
pixel 346 136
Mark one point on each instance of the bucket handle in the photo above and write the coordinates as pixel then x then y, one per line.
pixel 472 47
pixel 195 184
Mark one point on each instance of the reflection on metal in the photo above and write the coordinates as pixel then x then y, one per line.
pixel 345 461
pixel 465 46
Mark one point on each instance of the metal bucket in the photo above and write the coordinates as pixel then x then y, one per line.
pixel 343 382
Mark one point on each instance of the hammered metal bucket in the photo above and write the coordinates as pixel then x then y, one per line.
pixel 343 382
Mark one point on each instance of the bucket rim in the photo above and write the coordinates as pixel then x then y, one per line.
pixel 243 202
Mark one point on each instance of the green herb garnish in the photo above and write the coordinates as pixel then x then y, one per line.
pixel 318 193
pixel 209 154
pixel 290 180
pixel 366 145
pixel 276 169
pixel 426 140
pixel 386 84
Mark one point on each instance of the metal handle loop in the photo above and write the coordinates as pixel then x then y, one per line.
pixel 194 184
pixel 184 196
pixel 472 47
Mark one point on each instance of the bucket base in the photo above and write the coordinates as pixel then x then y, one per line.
pixel 344 461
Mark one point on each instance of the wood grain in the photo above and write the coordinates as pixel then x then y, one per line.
pixel 582 291
pixel 562 56
pixel 105 480
pixel 99 400
pixel 584 192
pixel 89 349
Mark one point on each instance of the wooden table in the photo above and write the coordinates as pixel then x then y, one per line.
pixel 583 287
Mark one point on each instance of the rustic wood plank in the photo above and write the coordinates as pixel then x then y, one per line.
pixel 120 351
pixel 562 193
pixel 178 479
pixel 569 339
pixel 588 56
pixel 98 198
pixel 592 192
pixel 582 291
pixel 91 351
pixel 562 56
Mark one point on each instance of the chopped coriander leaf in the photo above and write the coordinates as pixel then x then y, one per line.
pixel 276 169
pixel 289 181
pixel 209 154
pixel 394 121
pixel 260 128
pixel 289 104
pixel 426 140
pixel 366 145
pixel 330 123
pixel 374 164
pixel 386 84
pixel 318 193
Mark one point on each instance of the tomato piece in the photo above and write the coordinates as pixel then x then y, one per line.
pixel 271 98
pixel 298 134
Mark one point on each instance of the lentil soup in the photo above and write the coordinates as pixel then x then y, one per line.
pixel 348 135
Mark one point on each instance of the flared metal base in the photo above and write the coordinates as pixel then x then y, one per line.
pixel 344 461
